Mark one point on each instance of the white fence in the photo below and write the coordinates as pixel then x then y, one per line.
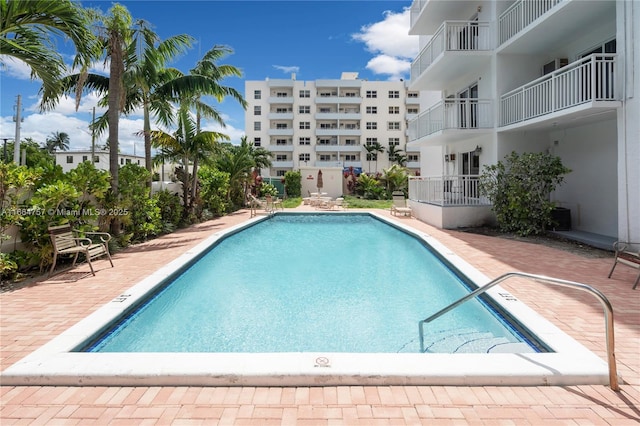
pixel 457 190
pixel 588 79
pixel 452 36
pixel 452 113
pixel 521 14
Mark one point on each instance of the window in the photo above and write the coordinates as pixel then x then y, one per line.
pixel 412 110
pixel 350 157
pixel 304 157
pixel 412 157
pixel 305 94
pixel 121 161
pixel 304 109
pixel 305 125
pixel 371 141
pixel 281 141
pixel 394 141
pixel 85 157
pixel 282 95
pixel 394 110
pixel 257 142
pixel 325 157
pixel 412 95
pixel 96 159
pixel 304 141
pixel 281 157
pixel 394 94
pixel 372 125
pixel 350 142
pixel 69 159
pixel 257 125
pixel 281 126
pixel 257 110
pixel 281 173
pixel 372 110
pixel 393 125
pixel 128 160
pixel 257 94
pixel 372 94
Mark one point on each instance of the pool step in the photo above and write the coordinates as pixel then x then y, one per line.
pixel 471 341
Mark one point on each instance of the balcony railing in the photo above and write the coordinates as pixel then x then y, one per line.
pixel 456 190
pixel 521 14
pixel 452 36
pixel 452 113
pixel 416 8
pixel 588 79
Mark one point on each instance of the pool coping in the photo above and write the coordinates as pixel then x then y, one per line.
pixel 55 364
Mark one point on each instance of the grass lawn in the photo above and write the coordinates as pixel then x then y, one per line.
pixel 352 203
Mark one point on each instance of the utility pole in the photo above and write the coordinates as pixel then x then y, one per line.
pixel 16 141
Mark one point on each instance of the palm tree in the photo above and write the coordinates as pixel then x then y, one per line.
pixel 394 154
pixel 373 149
pixel 186 146
pixel 26 30
pixel 261 157
pixel 237 161
pixel 57 140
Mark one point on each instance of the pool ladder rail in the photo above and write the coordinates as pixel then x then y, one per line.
pixel 606 305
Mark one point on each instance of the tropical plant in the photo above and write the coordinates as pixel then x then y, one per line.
pixel 267 189
pixel 370 187
pixel 214 185
pixel 519 188
pixel 57 141
pixel 395 178
pixel 139 214
pixel 293 183
pixel 395 155
pixel 27 30
pixel 238 163
pixel 170 210
pixel 186 146
pixel 373 149
pixel 15 184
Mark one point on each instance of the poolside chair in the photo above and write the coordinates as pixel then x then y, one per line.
pixel 400 205
pixel 66 241
pixel 626 255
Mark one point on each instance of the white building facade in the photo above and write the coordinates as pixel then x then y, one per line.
pixel 557 76
pixel 69 160
pixel 327 123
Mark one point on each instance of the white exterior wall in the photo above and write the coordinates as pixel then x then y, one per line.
pixel 600 142
pixel 323 156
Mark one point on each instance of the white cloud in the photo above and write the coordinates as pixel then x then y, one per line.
pixel 287 69
pixel 15 68
pixel 390 42
pixel 394 67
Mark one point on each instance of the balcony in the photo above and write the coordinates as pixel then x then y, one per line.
pixel 288 164
pixel 280 148
pixel 531 26
pixel 455 49
pixel 335 148
pixel 342 131
pixel 280 132
pixel 577 91
pixel 322 99
pixel 454 190
pixel 280 99
pixel 280 116
pixel 427 15
pixel 452 119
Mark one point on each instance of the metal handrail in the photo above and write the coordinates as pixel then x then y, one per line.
pixel 606 305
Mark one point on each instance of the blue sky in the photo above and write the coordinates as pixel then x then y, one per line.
pixel 313 39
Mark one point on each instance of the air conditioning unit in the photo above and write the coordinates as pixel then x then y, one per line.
pixel 554 65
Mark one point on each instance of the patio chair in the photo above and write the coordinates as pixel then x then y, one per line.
pixel 625 254
pixel 400 205
pixel 66 241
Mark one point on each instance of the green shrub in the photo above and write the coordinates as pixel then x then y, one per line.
pixel 293 183
pixel 214 187
pixel 170 210
pixel 519 189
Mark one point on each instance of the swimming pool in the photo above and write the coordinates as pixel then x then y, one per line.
pixel 312 283
pixel 60 363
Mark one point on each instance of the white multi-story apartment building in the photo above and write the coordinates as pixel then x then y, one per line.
pixel 328 123
pixel 557 76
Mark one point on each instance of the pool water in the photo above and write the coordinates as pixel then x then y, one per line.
pixel 312 283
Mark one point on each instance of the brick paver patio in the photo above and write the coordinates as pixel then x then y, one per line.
pixel 35 313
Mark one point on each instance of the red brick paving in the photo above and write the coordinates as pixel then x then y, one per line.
pixel 33 314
